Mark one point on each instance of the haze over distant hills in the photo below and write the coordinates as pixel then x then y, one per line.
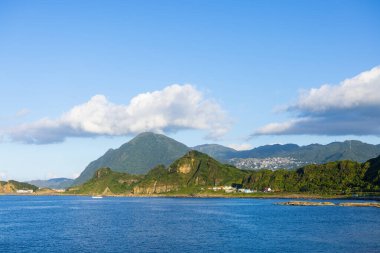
pixel 147 150
pixel 54 183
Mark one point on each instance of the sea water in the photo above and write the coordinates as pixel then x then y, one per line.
pixel 113 224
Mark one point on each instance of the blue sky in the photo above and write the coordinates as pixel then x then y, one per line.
pixel 69 71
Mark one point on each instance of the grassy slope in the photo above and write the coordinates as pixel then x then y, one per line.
pixel 106 181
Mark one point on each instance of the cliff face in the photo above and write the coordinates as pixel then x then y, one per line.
pixel 12 186
pixel 7 188
pixel 199 169
pixel 155 188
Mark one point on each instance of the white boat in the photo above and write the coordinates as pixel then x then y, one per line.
pixel 97 197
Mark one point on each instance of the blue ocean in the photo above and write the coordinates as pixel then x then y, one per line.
pixel 112 224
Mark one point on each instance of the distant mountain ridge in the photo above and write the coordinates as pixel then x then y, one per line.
pixel 314 153
pixel 218 152
pixel 53 183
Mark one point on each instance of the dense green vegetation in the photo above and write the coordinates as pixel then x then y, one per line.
pixel 193 170
pixel 196 172
pixel 341 176
pixel 216 151
pixel 137 156
pixel 106 181
pixel 372 174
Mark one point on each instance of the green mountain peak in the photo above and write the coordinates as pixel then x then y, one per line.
pixel 137 156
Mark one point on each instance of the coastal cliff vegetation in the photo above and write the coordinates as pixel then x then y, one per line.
pixel 197 172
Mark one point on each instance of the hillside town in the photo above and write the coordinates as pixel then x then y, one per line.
pixel 272 163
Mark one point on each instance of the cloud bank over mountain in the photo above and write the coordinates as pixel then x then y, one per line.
pixel 349 108
pixel 171 109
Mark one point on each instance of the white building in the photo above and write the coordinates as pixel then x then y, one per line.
pixel 246 190
pixel 24 191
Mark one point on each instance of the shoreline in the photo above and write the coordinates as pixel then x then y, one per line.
pixel 206 196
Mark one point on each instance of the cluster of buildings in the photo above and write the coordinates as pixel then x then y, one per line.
pixel 232 189
pixel 272 163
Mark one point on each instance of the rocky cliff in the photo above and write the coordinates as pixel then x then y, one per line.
pixel 12 186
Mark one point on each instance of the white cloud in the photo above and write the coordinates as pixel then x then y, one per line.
pixel 174 108
pixel 242 146
pixel 278 127
pixel 349 108
pixel 359 91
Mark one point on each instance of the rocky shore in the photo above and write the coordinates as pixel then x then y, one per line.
pixel 311 203
pixel 306 203
pixel 372 204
